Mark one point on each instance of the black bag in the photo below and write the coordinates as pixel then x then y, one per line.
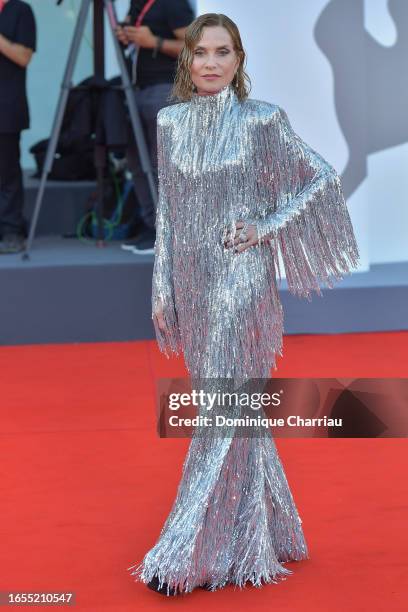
pixel 68 165
pixel 94 114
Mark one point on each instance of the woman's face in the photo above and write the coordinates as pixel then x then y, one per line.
pixel 213 54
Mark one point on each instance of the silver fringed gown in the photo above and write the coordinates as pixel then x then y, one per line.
pixel 221 160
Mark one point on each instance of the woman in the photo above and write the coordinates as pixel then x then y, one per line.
pixel 236 185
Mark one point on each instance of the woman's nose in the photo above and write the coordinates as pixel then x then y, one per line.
pixel 210 61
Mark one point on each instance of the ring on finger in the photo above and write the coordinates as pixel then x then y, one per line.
pixel 243 234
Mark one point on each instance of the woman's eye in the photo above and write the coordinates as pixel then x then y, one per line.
pixel 225 52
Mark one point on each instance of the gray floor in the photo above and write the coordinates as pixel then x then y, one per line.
pixel 58 251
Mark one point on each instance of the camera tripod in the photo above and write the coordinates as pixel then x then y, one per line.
pixel 99 8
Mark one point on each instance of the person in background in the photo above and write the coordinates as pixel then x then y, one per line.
pixel 157 28
pixel 17 45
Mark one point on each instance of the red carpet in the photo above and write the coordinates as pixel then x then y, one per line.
pixel 86 484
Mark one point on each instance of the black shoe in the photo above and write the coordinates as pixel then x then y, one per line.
pixel 12 243
pixel 143 244
pixel 154 586
pixel 129 245
pixel 207 586
pixel 147 248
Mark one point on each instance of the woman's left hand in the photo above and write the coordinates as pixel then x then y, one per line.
pixel 242 240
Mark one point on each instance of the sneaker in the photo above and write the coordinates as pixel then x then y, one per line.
pixel 12 243
pixel 144 247
pixel 129 245
pixel 146 237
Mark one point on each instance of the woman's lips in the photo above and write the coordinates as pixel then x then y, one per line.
pixel 211 77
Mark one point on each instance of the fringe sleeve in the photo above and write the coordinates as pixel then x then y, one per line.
pixel 310 223
pixel 162 281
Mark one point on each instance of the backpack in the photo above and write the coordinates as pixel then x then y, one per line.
pixel 94 114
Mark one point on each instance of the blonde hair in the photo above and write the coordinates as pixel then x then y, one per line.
pixel 183 87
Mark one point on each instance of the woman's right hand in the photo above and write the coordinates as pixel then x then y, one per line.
pixel 158 314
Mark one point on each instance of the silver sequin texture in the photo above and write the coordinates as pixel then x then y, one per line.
pixel 222 160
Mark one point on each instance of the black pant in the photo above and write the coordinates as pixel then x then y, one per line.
pixel 11 185
pixel 149 101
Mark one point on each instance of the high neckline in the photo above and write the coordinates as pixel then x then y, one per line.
pixel 215 101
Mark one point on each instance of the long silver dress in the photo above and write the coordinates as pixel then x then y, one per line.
pixel 222 160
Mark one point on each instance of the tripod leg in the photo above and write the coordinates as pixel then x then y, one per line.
pixel 58 118
pixel 133 111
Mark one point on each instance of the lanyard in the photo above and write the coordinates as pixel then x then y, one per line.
pixel 135 52
pixel 143 12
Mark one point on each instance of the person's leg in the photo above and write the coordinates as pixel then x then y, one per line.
pixel 149 101
pixel 11 186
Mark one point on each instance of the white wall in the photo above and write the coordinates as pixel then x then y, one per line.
pixel 338 86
